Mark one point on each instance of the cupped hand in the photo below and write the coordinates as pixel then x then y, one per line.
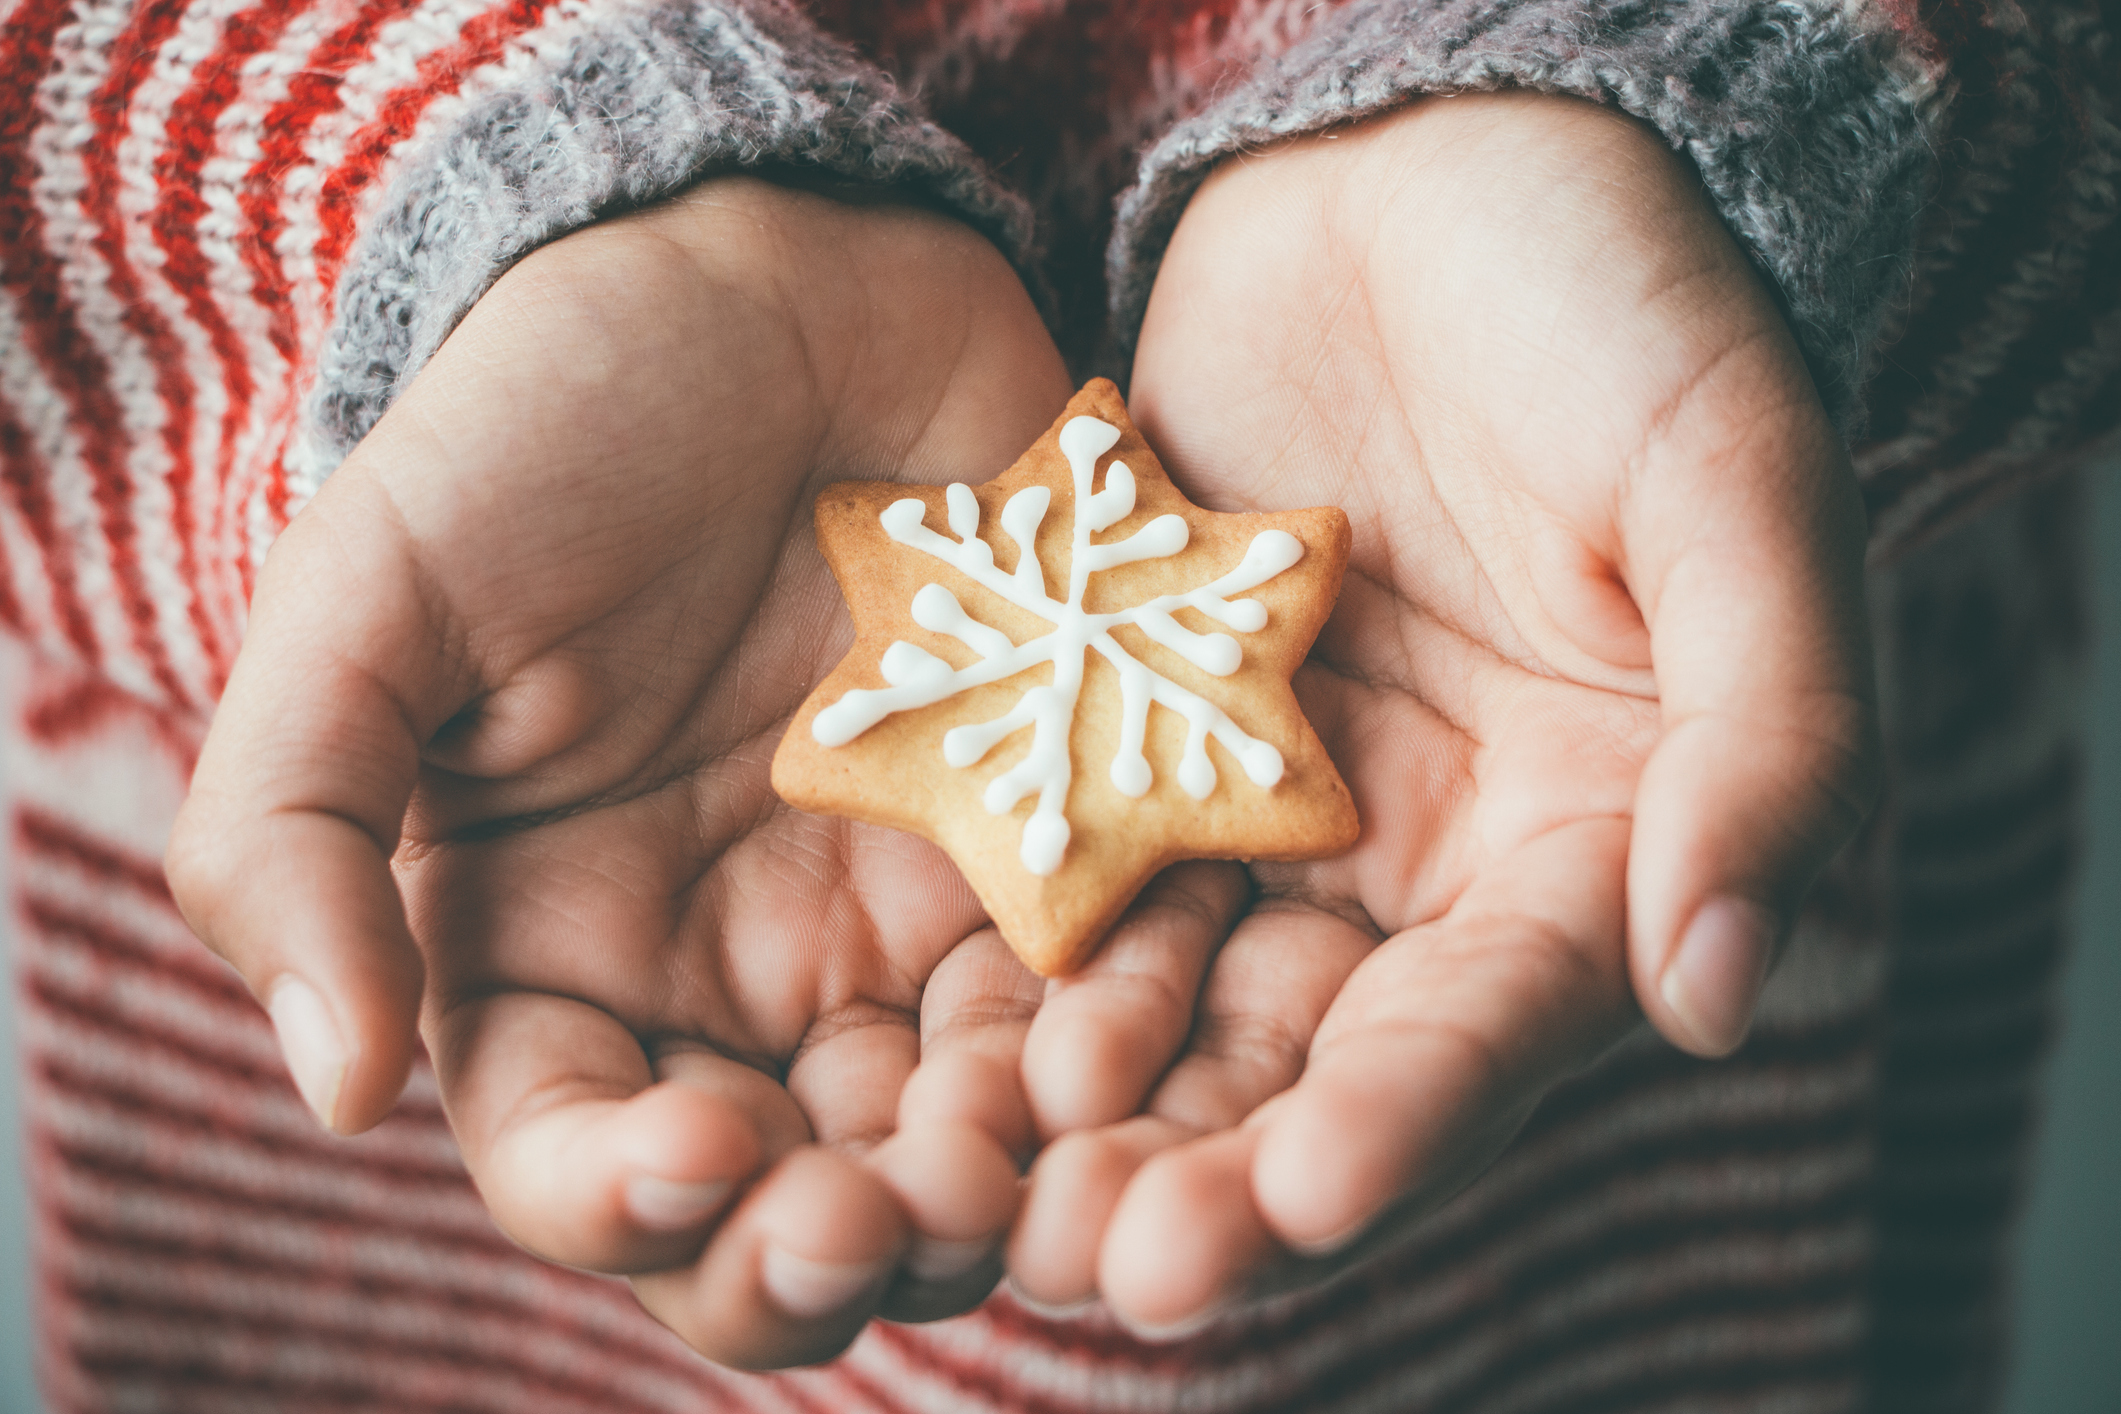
pixel 1598 679
pixel 499 736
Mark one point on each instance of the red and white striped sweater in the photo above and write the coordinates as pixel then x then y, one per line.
pixel 229 230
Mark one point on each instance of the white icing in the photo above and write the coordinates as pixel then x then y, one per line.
pixel 918 678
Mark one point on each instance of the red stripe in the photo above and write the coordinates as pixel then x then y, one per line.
pixel 152 25
pixel 647 1344
pixel 56 922
pixel 153 1173
pixel 10 607
pixel 387 1349
pixel 52 320
pixel 312 94
pixel 210 981
pixel 1425 1256
pixel 179 208
pixel 27 478
pixel 64 712
pixel 232 1110
pixel 879 1398
pixel 440 73
pixel 49 834
pixel 797 1393
pixel 1382 1354
pixel 192 980
pixel 32 276
pixel 175 1375
pixel 383 1205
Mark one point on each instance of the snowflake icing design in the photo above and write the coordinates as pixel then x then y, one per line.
pixel 918 678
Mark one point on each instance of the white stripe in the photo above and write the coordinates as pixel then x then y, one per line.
pixel 217 1345
pixel 175 69
pixel 1715 1186
pixel 46 419
pixel 235 1031
pixel 393 60
pixel 234 1230
pixel 393 64
pixel 56 151
pixel 35 593
pixel 184 1090
pixel 265 81
pixel 233 1295
pixel 149 465
pixel 186 1154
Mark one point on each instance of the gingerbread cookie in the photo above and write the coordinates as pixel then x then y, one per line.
pixel 1071 677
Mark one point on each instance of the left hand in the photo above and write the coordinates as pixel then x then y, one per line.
pixel 1598 679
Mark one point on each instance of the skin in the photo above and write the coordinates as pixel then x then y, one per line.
pixel 494 757
pixel 1598 679
pixel 493 760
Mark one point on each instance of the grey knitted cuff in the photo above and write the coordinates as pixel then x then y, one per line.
pixel 1810 122
pixel 639 100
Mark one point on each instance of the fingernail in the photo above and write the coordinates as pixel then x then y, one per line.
pixel 1048 1311
pixel 1180 1330
pixel 661 1205
pixel 933 1259
pixel 802 1287
pixel 1714 981
pixel 1329 1246
pixel 309 1038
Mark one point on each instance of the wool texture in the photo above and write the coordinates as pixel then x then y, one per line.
pixel 626 105
pixel 230 232
pixel 1811 126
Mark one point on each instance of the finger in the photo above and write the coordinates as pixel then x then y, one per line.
pixel 850 1070
pixel 1185 1236
pixel 958 1189
pixel 1068 1202
pixel 280 859
pixel 964 1129
pixel 1105 1034
pixel 583 1155
pixel 975 1013
pixel 794 1273
pixel 1270 985
pixel 1750 574
pixel 1434 1049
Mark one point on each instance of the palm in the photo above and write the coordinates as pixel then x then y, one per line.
pixel 1487 399
pixel 560 605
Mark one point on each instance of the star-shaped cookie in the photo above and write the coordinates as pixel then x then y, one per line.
pixel 1071 677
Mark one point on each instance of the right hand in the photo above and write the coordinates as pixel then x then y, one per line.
pixel 498 738
pixel 1598 678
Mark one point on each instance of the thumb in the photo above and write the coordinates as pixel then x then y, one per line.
pixel 280 859
pixel 1746 554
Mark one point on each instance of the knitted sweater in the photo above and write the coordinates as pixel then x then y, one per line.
pixel 231 231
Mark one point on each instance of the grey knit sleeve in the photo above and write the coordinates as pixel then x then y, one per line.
pixel 637 100
pixel 1810 122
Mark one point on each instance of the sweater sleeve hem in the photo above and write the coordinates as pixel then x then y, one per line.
pixel 626 107
pixel 1810 123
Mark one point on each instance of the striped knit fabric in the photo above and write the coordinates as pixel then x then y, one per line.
pixel 1817 1225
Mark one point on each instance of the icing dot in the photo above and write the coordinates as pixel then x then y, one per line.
pixel 1219 654
pixel 1196 774
pixel 1262 763
pixel 1045 842
pixel 908 665
pixel 1131 776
